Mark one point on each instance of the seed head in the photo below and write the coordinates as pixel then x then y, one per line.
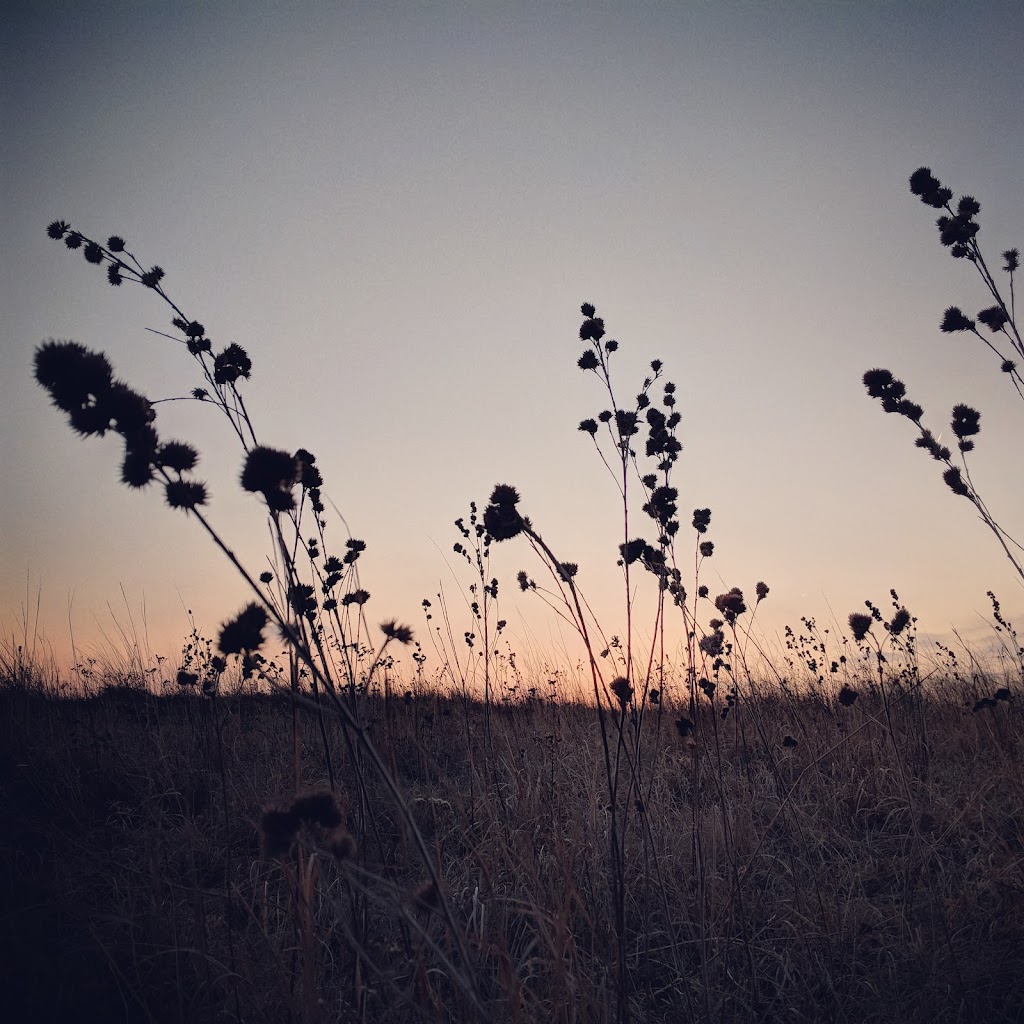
pixel 955 320
pixel 622 690
pixel 393 631
pixel 185 494
pixel 244 632
pixel 859 625
pixel 955 482
pixel 993 318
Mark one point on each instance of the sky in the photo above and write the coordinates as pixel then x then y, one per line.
pixel 398 210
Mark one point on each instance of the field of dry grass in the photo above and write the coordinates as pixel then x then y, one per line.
pixel 799 859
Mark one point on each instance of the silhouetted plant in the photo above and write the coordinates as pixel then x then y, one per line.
pixel 958 231
pixel 315 601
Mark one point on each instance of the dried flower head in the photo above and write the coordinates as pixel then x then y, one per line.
pixel 994 317
pixel 860 624
pixel 847 696
pixel 244 632
pixel 393 631
pixel 731 604
pixel 955 482
pixel 899 622
pixel 232 363
pixel 272 473
pixel 622 690
pixel 185 494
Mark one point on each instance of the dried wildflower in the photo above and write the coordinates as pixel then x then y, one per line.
pixel 266 577
pixel 622 690
pixel 899 622
pixel 130 411
pixel 71 373
pixel 923 182
pixel 859 625
pixel 93 253
pixel 955 320
pixel 632 550
pixel 707 548
pixel 847 696
pixel 731 605
pixel 1011 260
pixel 955 482
pixel 567 570
pixel 187 679
pixel 701 519
pixel 684 727
pixel 115 243
pixel 185 494
pixel 74 240
pixel 761 590
pixel 877 381
pixel 702 591
pixel 318 807
pixel 152 277
pixel 244 632
pixel 587 309
pixel 588 427
pixel 393 631
pixel 114 274
pixel 177 455
pixel 136 468
pixel 1008 366
pixel 713 643
pixel 994 317
pixel 57 229
pixel 501 520
pixel 272 473
pixel 232 363
pixel 654 696
pixel 707 687
pixel 626 423
pixel 302 598
pixel 588 361
pixel 356 597
pixel 592 329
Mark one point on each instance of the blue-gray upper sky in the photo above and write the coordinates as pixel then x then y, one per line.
pixel 398 209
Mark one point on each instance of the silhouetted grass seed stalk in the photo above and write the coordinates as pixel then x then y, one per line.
pixel 317 613
pixel 958 231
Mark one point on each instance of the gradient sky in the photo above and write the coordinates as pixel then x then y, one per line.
pixel 398 209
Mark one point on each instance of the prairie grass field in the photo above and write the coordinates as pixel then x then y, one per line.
pixel 799 859
pixel 316 816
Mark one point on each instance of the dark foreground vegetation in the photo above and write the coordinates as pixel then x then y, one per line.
pixel 811 858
